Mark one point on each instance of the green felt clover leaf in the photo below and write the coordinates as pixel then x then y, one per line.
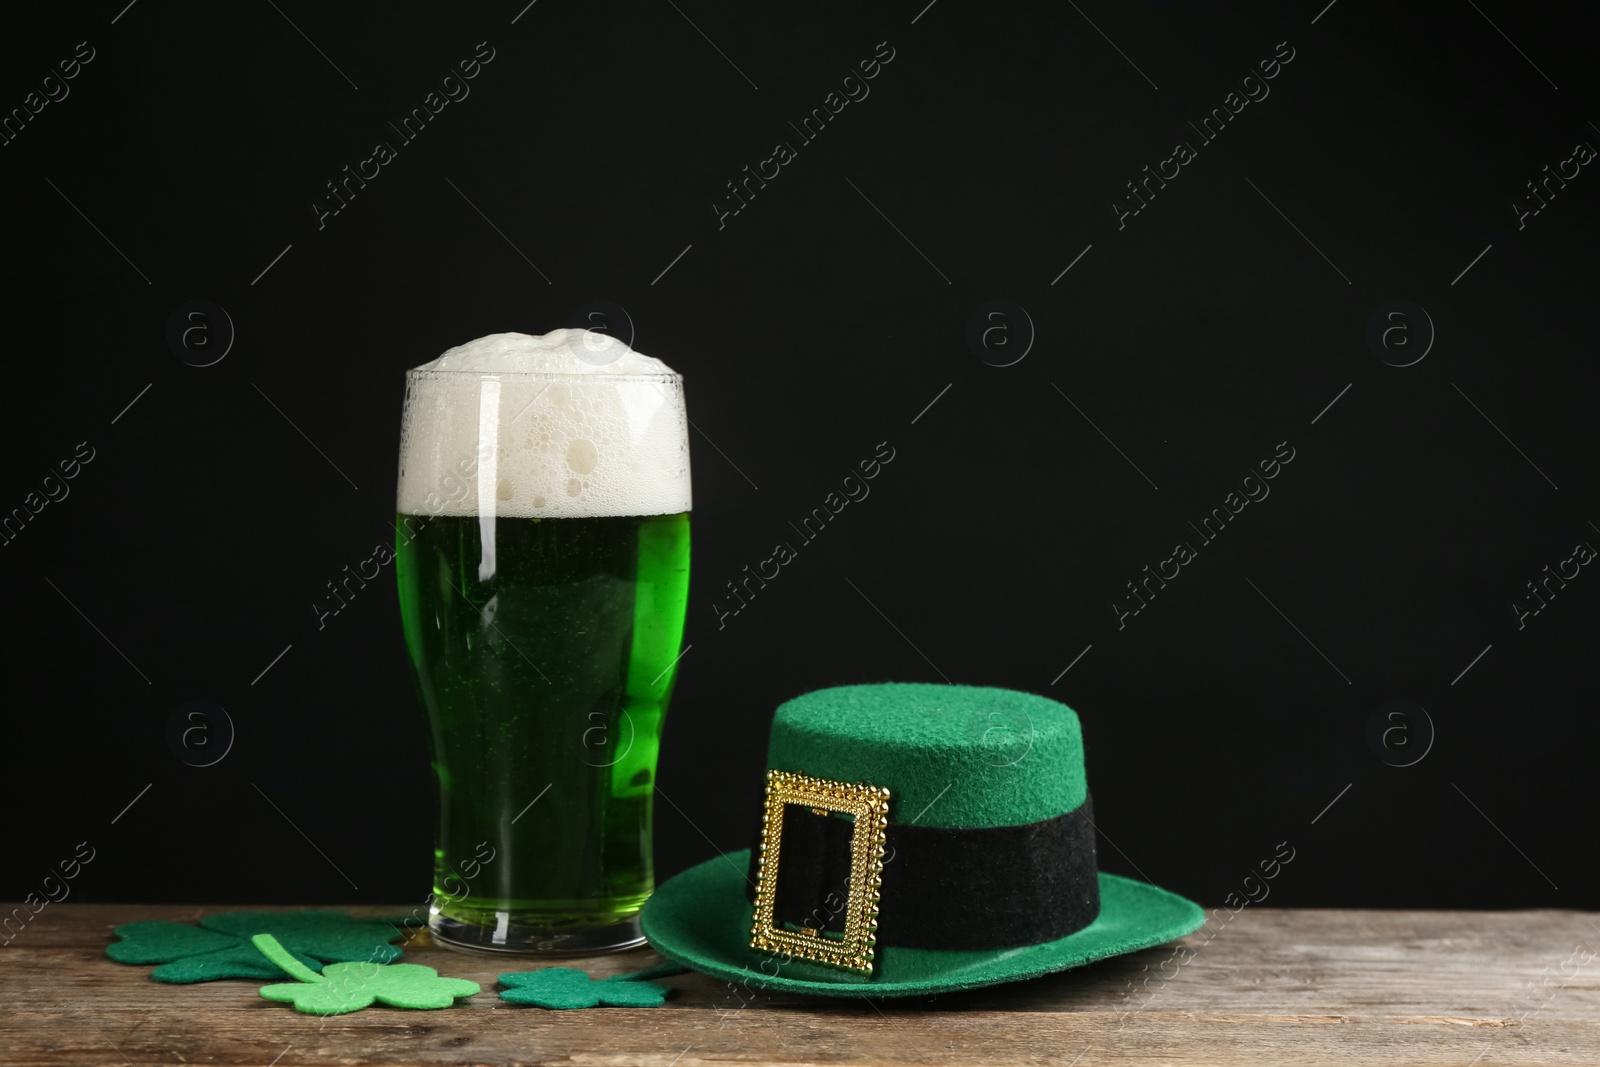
pixel 564 987
pixel 344 987
pixel 330 936
pixel 220 946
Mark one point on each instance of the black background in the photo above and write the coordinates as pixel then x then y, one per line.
pixel 819 321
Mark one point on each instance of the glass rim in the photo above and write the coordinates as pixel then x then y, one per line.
pixel 424 373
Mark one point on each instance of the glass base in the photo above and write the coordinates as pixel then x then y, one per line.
pixel 508 936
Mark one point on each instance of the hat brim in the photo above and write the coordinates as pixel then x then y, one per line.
pixel 701 919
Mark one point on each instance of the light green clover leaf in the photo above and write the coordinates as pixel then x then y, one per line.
pixel 345 987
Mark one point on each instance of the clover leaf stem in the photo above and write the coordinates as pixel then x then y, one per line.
pixel 270 948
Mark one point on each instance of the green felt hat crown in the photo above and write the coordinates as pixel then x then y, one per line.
pixel 958 755
pixel 900 794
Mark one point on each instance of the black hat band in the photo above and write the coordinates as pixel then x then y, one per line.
pixel 944 887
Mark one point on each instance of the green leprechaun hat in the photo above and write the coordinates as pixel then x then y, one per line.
pixel 915 839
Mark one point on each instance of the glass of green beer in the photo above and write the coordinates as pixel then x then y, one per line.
pixel 542 553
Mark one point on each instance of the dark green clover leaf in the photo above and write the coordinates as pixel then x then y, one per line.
pixel 564 987
pixel 343 987
pixel 220 946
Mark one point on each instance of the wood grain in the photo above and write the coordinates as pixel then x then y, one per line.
pixel 1273 986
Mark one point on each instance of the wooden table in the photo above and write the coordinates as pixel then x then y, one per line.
pixel 1274 986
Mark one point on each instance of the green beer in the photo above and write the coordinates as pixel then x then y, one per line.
pixel 544 646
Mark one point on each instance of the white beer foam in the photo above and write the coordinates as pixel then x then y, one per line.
pixel 571 424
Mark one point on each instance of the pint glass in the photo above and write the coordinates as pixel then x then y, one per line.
pixel 542 551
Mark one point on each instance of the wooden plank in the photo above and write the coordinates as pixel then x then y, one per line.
pixel 1272 986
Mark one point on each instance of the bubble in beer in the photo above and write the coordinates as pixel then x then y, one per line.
pixel 582 456
pixel 586 440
